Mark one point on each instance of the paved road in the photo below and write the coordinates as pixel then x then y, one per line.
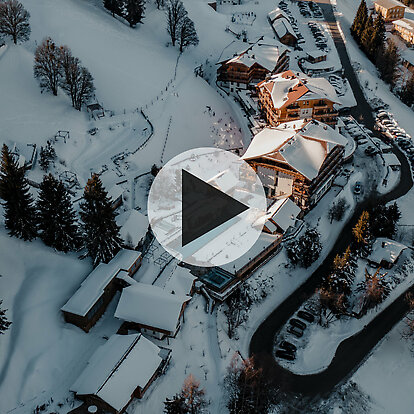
pixel 352 351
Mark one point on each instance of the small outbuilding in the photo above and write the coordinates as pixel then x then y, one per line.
pixel 119 371
pixel 385 252
pixel 151 310
pixel 90 301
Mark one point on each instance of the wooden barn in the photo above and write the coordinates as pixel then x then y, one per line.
pixel 151 310
pixel 90 301
pixel 120 370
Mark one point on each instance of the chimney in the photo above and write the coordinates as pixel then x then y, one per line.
pixel 383 244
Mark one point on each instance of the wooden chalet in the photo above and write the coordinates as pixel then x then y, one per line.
pixel 390 10
pixel 251 66
pixel 90 301
pixel 298 160
pixel 120 370
pixel 280 23
pixel 151 310
pixel 290 96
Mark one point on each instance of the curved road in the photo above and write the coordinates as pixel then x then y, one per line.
pixel 353 350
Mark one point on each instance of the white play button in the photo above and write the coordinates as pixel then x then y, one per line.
pixel 207 207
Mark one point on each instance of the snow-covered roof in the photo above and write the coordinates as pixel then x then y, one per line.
pixel 117 368
pixel 391 159
pixel 115 192
pixel 262 53
pixel 408 55
pixel 405 23
pixel 151 306
pixel 316 53
pixel 288 87
pixel 134 226
pixel 283 212
pixel 385 249
pixel 305 150
pixel 274 14
pixel 283 27
pixel 93 286
pixel 180 282
pixel 389 3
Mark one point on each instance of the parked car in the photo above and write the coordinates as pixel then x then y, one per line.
pixel 362 142
pixel 357 188
pixel 285 355
pixel 288 346
pixel 294 330
pixel 306 316
pixel 298 323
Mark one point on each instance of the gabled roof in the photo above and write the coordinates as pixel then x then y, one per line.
pixel 282 27
pixel 93 286
pixel 283 212
pixel 406 23
pixel 134 226
pixel 180 282
pixel 262 53
pixel 304 149
pixel 389 3
pixel 276 13
pixel 288 87
pixel 117 368
pixel 385 249
pixel 151 306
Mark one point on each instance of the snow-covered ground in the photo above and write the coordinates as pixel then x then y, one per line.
pixel 318 345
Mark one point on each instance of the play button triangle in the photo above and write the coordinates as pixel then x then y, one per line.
pixel 204 207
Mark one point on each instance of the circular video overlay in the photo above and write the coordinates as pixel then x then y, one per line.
pixel 207 207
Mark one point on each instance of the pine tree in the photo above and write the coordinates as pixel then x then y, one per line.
pixel 358 25
pixel 134 11
pixel 378 38
pixel 175 405
pixel 306 249
pixel 57 220
pixel 101 233
pixel 4 322
pixel 20 213
pixel 361 230
pixel 387 63
pixel 47 154
pixel 383 220
pixel 407 92
pixel 112 6
pixel 367 35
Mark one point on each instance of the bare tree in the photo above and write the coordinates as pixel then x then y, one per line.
pixel 47 65
pixel 14 21
pixel 187 34
pixel 77 82
pixel 176 13
pixel 160 3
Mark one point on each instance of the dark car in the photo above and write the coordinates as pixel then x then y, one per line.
pixel 294 330
pixel 285 355
pixel 306 316
pixel 287 346
pixel 298 323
